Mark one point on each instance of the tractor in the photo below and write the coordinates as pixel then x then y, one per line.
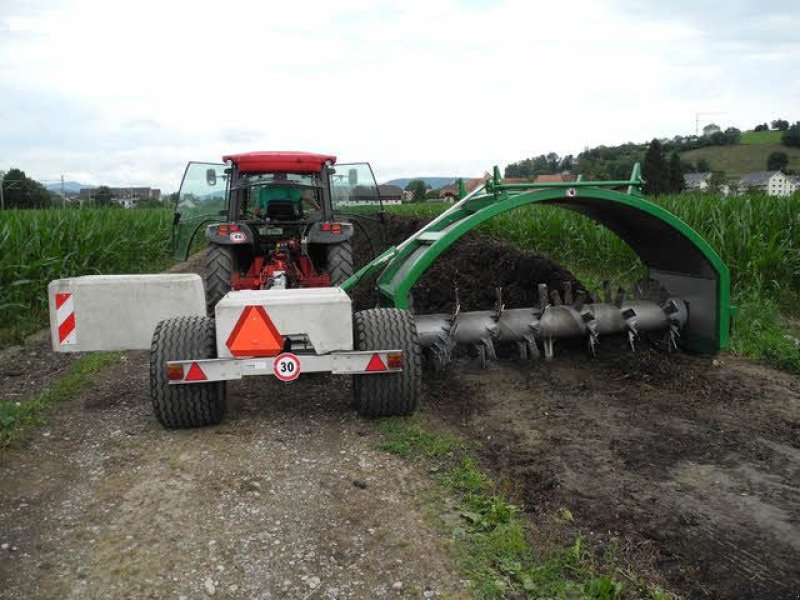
pixel 280 228
pixel 275 298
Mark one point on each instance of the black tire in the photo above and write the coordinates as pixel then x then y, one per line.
pixel 188 404
pixel 220 262
pixel 390 394
pixel 340 262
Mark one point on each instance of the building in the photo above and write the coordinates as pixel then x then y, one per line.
pixel 127 197
pixel 554 178
pixel 696 182
pixel 390 194
pixel 771 183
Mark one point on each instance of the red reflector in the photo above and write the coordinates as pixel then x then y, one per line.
pixel 255 334
pixel 336 228
pixel 222 230
pixel 233 227
pixel 195 373
pixel 375 364
pixel 174 372
pixel 394 360
pixel 326 227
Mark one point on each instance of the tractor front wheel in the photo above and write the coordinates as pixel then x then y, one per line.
pixel 388 394
pixel 220 263
pixel 186 404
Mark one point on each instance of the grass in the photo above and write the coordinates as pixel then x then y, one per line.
pixel 758 237
pixel 491 537
pixel 37 246
pixel 16 418
pixel 742 158
pixel 760 138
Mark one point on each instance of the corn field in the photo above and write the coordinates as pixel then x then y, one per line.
pixel 758 237
pixel 37 246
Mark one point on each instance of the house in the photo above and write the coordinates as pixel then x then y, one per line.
pixel 449 193
pixel 127 197
pixel 554 178
pixel 771 183
pixel 696 182
pixel 794 182
pixel 390 194
pixel 711 129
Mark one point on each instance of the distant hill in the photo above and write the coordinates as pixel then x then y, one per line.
pixel 434 182
pixel 71 187
pixel 742 158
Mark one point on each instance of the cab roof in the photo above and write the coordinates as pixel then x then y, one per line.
pixel 278 161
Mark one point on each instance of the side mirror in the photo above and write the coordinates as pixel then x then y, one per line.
pixel 352 177
pixel 211 177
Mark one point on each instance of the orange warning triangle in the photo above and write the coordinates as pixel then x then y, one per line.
pixel 255 334
pixel 375 364
pixel 195 373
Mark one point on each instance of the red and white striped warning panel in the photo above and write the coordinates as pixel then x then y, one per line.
pixel 65 319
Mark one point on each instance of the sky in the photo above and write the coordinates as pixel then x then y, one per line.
pixel 125 93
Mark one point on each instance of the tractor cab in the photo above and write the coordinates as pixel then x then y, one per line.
pixel 273 219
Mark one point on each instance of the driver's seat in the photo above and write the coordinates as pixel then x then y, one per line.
pixel 284 210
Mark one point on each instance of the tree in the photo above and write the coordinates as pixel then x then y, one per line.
pixel 20 191
pixel 762 127
pixel 717 181
pixel 791 137
pixel 733 136
pixel 675 174
pixel 655 170
pixel 418 188
pixel 703 166
pixel 777 161
pixel 103 195
pixel 780 124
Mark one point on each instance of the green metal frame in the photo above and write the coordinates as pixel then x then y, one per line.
pixel 686 255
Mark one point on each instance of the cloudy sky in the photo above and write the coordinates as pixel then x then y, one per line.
pixel 126 92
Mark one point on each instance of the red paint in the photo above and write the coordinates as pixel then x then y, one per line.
pixel 67 327
pixel 281 162
pixel 61 298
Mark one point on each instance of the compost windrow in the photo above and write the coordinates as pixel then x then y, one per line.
pixel 475 266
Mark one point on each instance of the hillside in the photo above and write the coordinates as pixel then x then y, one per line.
pixel 71 187
pixel 434 182
pixel 742 158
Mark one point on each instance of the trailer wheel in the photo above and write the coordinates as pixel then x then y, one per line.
pixel 188 404
pixel 220 262
pixel 340 262
pixel 390 394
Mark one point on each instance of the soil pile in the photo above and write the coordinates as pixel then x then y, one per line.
pixel 475 265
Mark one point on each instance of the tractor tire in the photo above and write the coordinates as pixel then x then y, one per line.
pixel 188 404
pixel 220 262
pixel 390 394
pixel 340 262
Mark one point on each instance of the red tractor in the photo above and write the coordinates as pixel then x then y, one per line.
pixel 272 220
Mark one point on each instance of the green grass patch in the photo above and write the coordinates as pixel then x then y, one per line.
pixel 759 138
pixel 407 437
pixel 38 246
pixel 491 537
pixel 16 418
pixel 742 158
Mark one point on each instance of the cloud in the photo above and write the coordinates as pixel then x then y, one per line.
pixel 126 93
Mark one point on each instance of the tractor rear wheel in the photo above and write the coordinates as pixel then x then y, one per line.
pixel 340 262
pixel 186 404
pixel 389 394
pixel 220 263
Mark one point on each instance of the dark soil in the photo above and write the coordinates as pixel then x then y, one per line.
pixel 687 466
pixel 475 266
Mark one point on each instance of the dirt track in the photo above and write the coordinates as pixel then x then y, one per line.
pixel 688 467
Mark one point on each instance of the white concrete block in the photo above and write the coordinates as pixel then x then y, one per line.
pixel 118 312
pixel 323 315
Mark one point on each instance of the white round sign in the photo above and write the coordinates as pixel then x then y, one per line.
pixel 286 366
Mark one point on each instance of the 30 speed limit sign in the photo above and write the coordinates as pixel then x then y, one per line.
pixel 286 366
